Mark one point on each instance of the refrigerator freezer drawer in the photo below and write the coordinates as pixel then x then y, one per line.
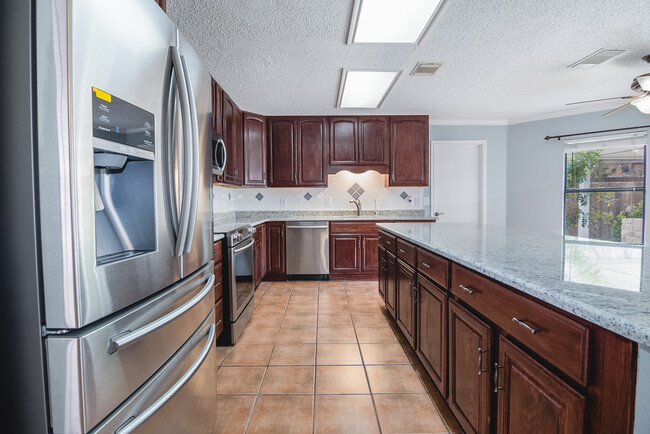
pixel 93 370
pixel 180 398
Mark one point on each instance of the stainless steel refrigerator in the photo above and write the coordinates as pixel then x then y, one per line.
pixel 125 218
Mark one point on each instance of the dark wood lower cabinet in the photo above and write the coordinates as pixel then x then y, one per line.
pixel 532 400
pixel 469 371
pixel 390 290
pixel 431 331
pixel 345 253
pixel 406 300
pixel 369 250
pixel 382 273
pixel 275 251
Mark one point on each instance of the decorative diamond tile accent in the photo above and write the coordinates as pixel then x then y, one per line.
pixel 259 196
pixel 307 196
pixel 229 196
pixel 356 191
pixel 403 195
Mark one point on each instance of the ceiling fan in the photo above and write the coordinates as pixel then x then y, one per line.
pixel 641 85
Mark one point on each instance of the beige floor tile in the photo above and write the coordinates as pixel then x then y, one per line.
pixel 304 291
pixel 334 320
pixel 303 298
pixel 296 320
pixel 270 308
pixel 288 380
pixel 293 354
pixel 239 380
pixel 247 354
pixel 331 291
pixel 338 354
pixel 346 414
pixel 341 379
pixel 365 308
pixel 279 290
pixel 265 320
pixel 275 298
pixel 302 308
pixel 330 284
pixel 383 354
pixel 281 285
pixel 297 335
pixel 221 352
pixel 369 320
pixel 336 335
pixel 332 298
pixel 258 336
pixel 366 297
pixel 394 379
pixel 408 414
pixel 376 335
pixel 339 308
pixel 232 413
pixel 278 414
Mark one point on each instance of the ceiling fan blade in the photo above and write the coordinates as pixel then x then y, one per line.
pixel 602 99
pixel 617 109
pixel 644 82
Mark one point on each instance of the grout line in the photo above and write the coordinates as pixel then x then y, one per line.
pixel 313 408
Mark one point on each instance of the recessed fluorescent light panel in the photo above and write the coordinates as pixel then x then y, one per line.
pixel 391 21
pixel 365 89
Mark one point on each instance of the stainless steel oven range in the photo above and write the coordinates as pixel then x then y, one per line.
pixel 241 283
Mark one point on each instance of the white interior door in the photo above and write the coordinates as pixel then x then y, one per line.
pixel 458 181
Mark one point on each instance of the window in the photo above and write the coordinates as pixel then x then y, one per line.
pixel 604 188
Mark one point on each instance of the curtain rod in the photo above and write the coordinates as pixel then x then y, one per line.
pixel 594 132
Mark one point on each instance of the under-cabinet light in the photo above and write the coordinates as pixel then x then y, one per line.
pixel 365 89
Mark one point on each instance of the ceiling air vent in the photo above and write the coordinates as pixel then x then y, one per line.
pixel 596 58
pixel 426 68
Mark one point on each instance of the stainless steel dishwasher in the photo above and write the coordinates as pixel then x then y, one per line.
pixel 308 250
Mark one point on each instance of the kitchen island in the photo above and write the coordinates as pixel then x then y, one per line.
pixel 511 323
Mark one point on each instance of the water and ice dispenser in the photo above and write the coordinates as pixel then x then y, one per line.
pixel 124 150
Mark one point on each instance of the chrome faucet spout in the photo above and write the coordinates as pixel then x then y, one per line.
pixel 357 202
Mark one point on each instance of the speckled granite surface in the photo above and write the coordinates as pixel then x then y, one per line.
pixel 225 222
pixel 605 283
pixel 218 237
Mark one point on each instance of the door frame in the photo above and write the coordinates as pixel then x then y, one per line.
pixel 482 144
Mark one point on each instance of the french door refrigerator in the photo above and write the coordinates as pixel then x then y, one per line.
pixel 124 170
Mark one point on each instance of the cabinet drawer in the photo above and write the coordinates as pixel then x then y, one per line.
pixel 218 281
pixel 406 252
pixel 353 228
pixel 434 267
pixel 218 317
pixel 388 242
pixel 216 249
pixel 555 337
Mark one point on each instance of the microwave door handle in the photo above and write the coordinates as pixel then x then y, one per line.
pixel 195 157
pixel 187 153
pixel 169 156
pixel 133 423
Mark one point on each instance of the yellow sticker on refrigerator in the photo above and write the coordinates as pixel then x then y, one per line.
pixel 101 94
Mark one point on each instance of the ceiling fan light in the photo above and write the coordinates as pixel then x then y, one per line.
pixel 644 82
pixel 643 104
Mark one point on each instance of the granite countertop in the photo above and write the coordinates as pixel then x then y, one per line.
pixel 603 282
pixel 218 237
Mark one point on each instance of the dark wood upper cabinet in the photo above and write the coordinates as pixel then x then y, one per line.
pixel 254 149
pixel 162 4
pixel 373 141
pixel 532 399
pixel 313 149
pixel 409 151
pixel 343 141
pixel 431 345
pixel 282 152
pixel 469 371
pixel 406 301
pixel 233 139
pixel 275 251
pixel 217 107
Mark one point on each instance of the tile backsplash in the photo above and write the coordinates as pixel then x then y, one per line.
pixel 368 187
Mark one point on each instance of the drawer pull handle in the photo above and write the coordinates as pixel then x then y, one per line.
pixel 469 291
pixel 480 360
pixel 496 377
pixel 401 250
pixel 218 323
pixel 388 242
pixel 426 265
pixel 526 326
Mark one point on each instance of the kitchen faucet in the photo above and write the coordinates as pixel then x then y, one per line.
pixel 357 202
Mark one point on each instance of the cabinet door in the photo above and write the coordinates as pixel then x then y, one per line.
pixel 373 148
pixel 282 152
pixel 431 344
pixel 238 134
pixel 275 253
pixel 217 107
pixel 232 137
pixel 382 272
pixel 369 251
pixel 262 230
pixel 254 149
pixel 345 253
pixel 409 151
pixel 313 149
pixel 343 141
pixel 469 371
pixel 162 4
pixel 532 399
pixel 406 300
pixel 391 275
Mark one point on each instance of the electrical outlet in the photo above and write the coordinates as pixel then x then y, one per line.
pixel 382 202
pixel 328 201
pixel 418 201
pixel 283 202
pixel 426 201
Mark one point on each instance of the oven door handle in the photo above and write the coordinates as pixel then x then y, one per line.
pixel 244 248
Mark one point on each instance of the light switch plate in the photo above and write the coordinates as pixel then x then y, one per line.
pixel 418 201
pixel 426 201
pixel 328 201
pixel 283 202
pixel 382 202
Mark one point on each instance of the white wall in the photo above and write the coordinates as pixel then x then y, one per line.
pixel 372 183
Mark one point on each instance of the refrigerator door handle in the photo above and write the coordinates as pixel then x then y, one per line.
pixel 135 422
pixel 195 160
pixel 169 178
pixel 125 339
pixel 187 154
